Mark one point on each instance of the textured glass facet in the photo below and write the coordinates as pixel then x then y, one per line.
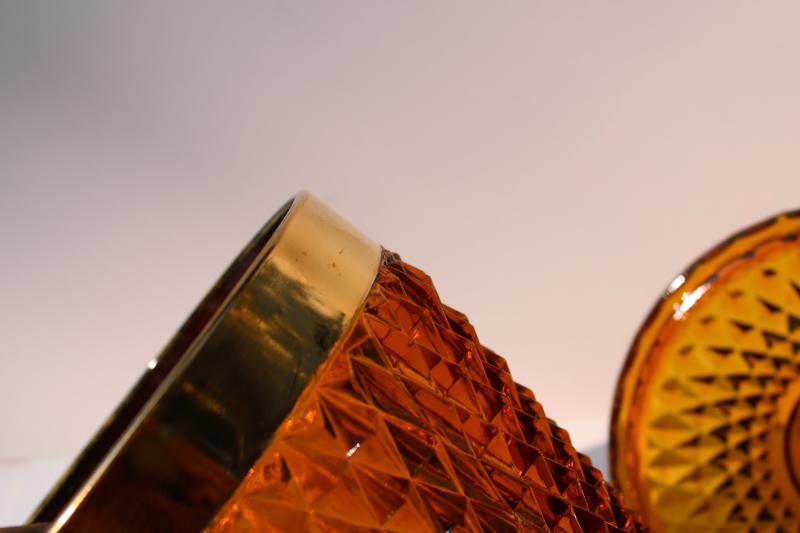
pixel 706 433
pixel 412 425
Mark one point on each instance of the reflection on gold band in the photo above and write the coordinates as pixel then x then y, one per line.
pixel 185 436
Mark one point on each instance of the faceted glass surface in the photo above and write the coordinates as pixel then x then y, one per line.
pixel 412 425
pixel 706 436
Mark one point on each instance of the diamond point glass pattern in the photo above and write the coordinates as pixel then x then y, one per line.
pixel 412 425
pixel 706 434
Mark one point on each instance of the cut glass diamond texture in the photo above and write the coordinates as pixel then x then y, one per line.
pixel 412 425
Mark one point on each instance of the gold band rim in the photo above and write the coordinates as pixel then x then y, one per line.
pixel 280 307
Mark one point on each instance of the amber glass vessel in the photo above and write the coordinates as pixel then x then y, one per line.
pixel 323 386
pixel 412 425
pixel 706 427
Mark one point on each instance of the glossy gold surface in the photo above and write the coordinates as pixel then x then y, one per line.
pixel 186 435
pixel 705 434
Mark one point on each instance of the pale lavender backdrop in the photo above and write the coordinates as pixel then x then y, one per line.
pixel 551 164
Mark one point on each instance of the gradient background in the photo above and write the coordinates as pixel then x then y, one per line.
pixel 551 165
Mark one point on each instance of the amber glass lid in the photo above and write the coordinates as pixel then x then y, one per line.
pixel 706 428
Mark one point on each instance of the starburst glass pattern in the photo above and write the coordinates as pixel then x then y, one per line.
pixel 412 425
pixel 706 433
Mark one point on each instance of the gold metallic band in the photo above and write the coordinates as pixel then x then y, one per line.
pixel 208 405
